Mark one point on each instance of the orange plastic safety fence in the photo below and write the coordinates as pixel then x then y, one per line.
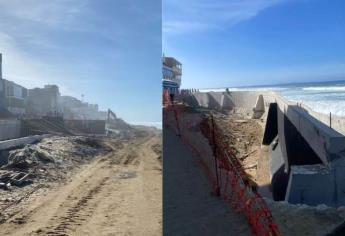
pixel 166 98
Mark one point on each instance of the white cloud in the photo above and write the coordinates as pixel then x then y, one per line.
pixel 50 13
pixel 199 15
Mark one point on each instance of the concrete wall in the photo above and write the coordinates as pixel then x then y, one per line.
pixel 316 184
pixel 238 101
pixel 10 129
pixel 311 185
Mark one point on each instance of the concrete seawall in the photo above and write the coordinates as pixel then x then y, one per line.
pixel 307 157
pixel 245 101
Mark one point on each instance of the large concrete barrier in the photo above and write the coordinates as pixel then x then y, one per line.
pixel 12 143
pixel 317 184
pixel 313 154
pixel 10 129
pixel 327 143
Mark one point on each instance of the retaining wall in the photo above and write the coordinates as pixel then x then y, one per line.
pixel 86 126
pixel 10 129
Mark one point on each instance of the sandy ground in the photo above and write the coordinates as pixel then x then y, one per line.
pixel 116 194
pixel 303 220
pixel 189 206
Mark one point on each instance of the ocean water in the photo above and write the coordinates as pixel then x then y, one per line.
pixel 323 97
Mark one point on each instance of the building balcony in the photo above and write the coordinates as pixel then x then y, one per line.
pixel 175 80
pixel 177 70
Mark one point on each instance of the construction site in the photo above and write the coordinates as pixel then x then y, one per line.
pixel 68 168
pixel 251 163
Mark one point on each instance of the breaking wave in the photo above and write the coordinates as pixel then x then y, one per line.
pixel 328 88
pixel 244 89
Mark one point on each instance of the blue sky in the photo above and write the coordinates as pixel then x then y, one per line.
pixel 253 42
pixel 110 51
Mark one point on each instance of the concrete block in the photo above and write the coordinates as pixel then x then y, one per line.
pixel 259 108
pixel 311 185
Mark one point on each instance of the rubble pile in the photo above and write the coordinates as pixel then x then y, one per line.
pixel 48 160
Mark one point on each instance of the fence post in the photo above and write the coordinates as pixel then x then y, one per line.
pixel 217 190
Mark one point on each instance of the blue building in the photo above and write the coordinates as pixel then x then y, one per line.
pixel 172 72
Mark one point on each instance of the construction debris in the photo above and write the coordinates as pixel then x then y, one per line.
pixel 47 160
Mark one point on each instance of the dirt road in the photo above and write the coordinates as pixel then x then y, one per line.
pixel 190 208
pixel 116 194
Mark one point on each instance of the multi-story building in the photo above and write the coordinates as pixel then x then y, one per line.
pixel 44 101
pixel 15 96
pixel 73 109
pixel 12 95
pixel 172 72
pixel 17 101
